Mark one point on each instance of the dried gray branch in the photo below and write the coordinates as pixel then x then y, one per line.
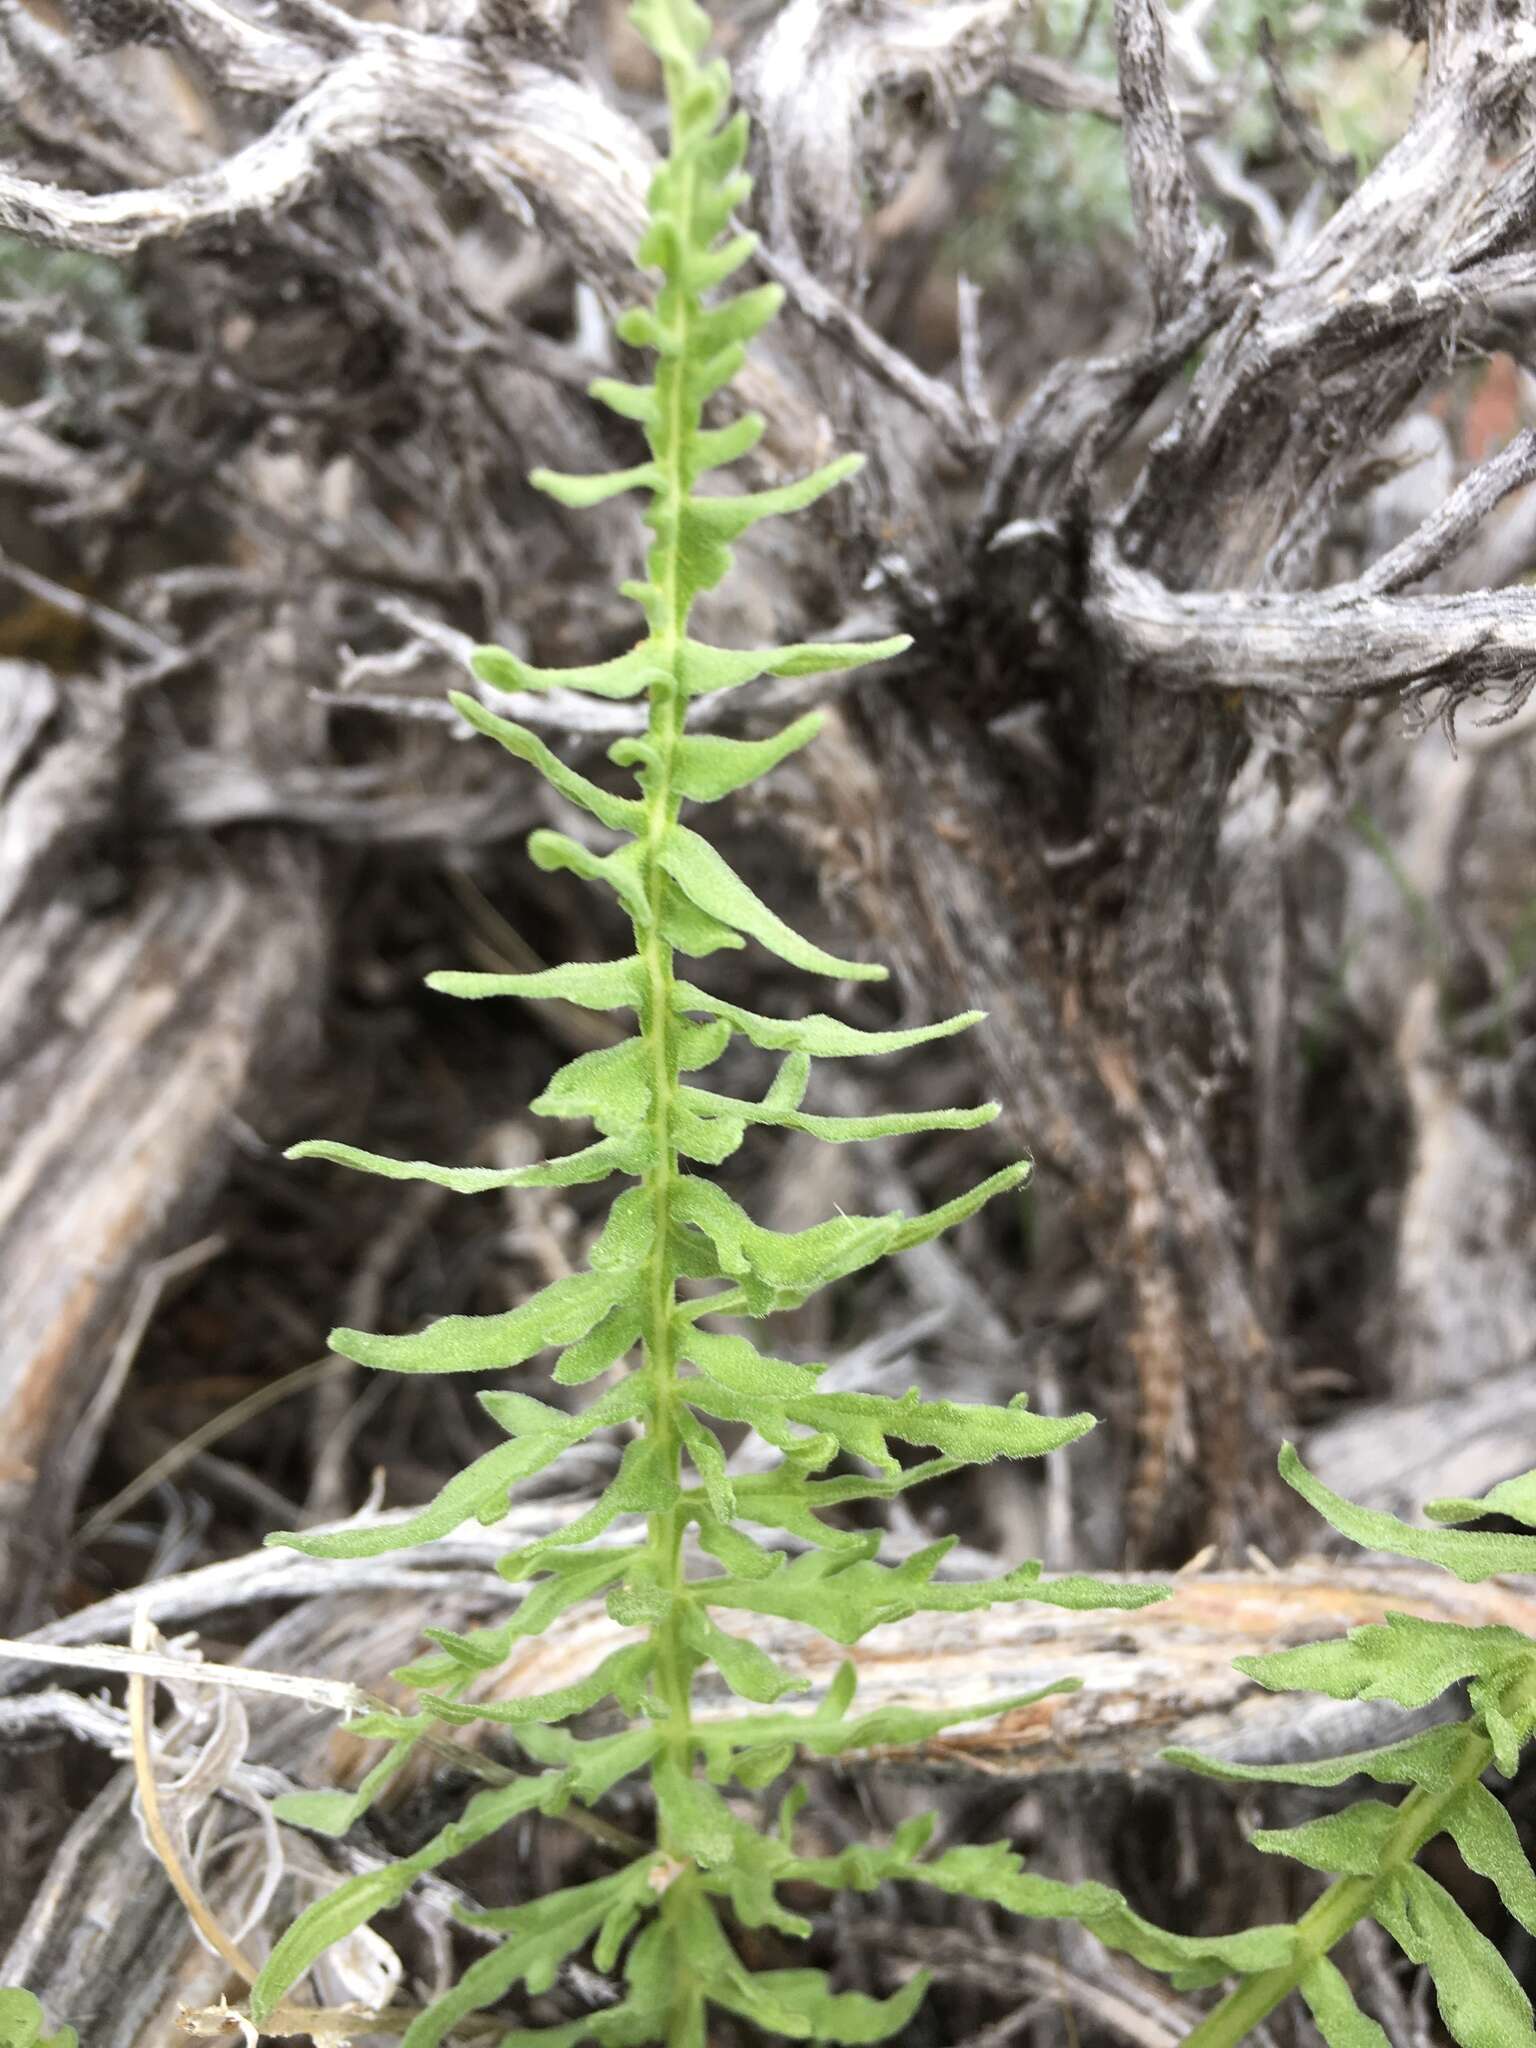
pixel 1082 410
pixel 179 1057
pixel 1178 251
pixel 255 56
pixel 519 130
pixel 107 621
pixel 1450 530
pixel 195 789
pixel 955 422
pixel 1053 86
pixel 31 1715
pixel 1342 644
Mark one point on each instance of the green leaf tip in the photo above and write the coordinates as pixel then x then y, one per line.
pixel 1515 1498
pixel 580 493
pixel 627 675
pixel 677 30
pixel 1471 1555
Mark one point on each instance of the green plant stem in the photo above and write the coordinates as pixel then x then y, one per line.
pixel 668 706
pixel 1347 1900
pixel 673 1670
pixel 673 1678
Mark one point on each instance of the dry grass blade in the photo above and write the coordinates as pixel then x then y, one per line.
pixel 181 1454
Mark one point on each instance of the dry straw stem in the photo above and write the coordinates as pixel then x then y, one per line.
pixel 178 1455
pixel 325 2029
pixel 144 1664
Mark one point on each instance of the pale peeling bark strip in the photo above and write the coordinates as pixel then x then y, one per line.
pixel 1159 1676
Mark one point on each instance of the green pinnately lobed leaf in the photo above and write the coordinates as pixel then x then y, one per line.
pixel 1404 1658
pixel 1429 1760
pixel 688 1548
pixel 1371 1848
